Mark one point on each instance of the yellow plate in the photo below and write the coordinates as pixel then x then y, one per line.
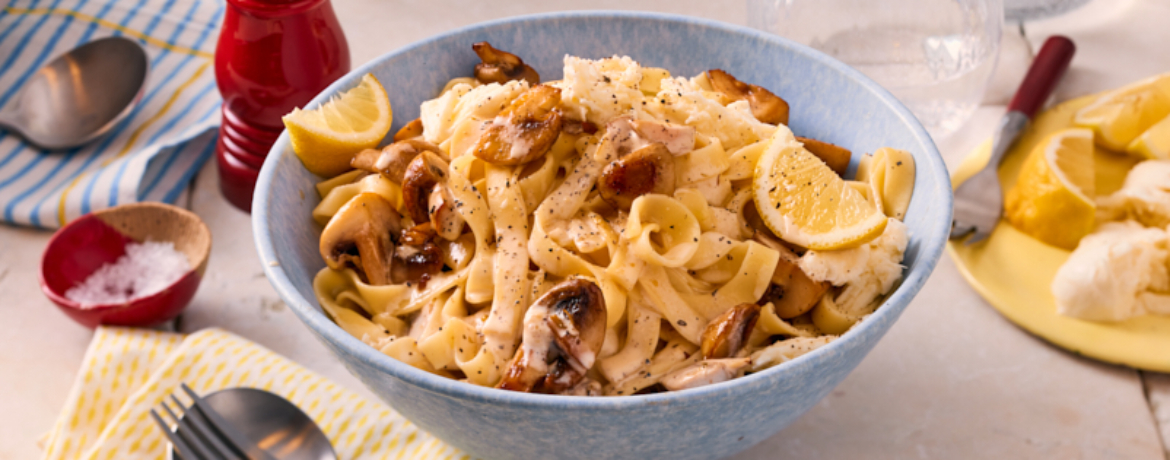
pixel 1013 271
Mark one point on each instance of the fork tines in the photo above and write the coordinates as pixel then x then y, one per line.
pixel 194 437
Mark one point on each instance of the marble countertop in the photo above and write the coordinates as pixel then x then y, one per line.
pixel 952 379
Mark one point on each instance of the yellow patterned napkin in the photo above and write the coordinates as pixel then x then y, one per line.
pixel 126 372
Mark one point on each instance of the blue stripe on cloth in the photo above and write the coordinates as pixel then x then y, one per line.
pixel 34 213
pixel 173 194
pixel 89 30
pixel 23 42
pixel 40 59
pixel 164 153
pixel 167 9
pixel 4 35
pixel 88 190
pixel 210 111
pixel 177 160
pixel 85 202
pixel 156 170
pixel 93 26
pixel 156 176
pixel 11 206
pixel 16 23
pixel 21 146
pixel 113 198
pixel 170 124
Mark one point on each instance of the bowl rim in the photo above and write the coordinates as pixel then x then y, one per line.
pixel 929 249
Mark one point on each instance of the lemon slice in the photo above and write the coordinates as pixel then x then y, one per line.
pixel 1053 197
pixel 806 203
pixel 1120 116
pixel 327 138
pixel 1154 143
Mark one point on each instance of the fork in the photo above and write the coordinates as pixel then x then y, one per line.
pixel 194 436
pixel 202 433
pixel 979 200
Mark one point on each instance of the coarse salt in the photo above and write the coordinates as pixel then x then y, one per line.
pixel 144 270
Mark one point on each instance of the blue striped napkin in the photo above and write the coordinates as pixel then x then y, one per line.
pixel 152 154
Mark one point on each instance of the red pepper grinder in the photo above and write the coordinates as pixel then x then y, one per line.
pixel 272 56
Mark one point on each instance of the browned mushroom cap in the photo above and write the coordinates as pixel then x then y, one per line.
pixel 577 318
pixel 792 292
pixel 411 130
pixel 392 160
pixel 458 253
pixel 359 237
pixel 577 127
pixel 417 256
pixel 836 157
pixel 796 297
pixel 501 66
pixel 727 333
pixel 649 169
pixel 563 333
pixel 420 178
pixel 524 131
pixel 446 220
pixel 561 376
pixel 523 372
pixel 766 107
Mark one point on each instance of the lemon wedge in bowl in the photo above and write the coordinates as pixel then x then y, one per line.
pixel 1153 144
pixel 805 203
pixel 1053 197
pixel 327 137
pixel 1119 117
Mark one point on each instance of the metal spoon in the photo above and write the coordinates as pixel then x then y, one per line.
pixel 271 422
pixel 79 95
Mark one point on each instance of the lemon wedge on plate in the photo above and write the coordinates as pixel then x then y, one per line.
pixel 1053 197
pixel 806 203
pixel 1154 143
pixel 327 137
pixel 1120 116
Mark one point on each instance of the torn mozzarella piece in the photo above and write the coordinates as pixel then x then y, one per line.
pixel 1116 273
pixel 1144 197
pixel 787 350
pixel 866 272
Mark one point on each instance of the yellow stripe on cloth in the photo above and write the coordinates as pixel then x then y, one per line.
pixel 111 25
pixel 61 218
pixel 212 360
pixel 93 401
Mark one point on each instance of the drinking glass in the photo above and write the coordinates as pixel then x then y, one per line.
pixel 1027 10
pixel 936 56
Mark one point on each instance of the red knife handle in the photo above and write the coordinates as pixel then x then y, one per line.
pixel 1045 72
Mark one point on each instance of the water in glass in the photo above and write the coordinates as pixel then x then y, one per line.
pixel 936 56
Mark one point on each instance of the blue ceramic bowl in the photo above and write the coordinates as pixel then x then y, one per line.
pixel 830 101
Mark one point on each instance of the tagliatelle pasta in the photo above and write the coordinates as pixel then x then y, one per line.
pixel 594 235
pixel 890 174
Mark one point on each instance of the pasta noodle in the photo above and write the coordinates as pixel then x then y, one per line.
pixel 589 236
pixel 890 174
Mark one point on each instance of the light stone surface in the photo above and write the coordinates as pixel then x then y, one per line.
pixel 1158 393
pixel 953 379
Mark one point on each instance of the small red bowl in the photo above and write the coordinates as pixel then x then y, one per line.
pixel 98 238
